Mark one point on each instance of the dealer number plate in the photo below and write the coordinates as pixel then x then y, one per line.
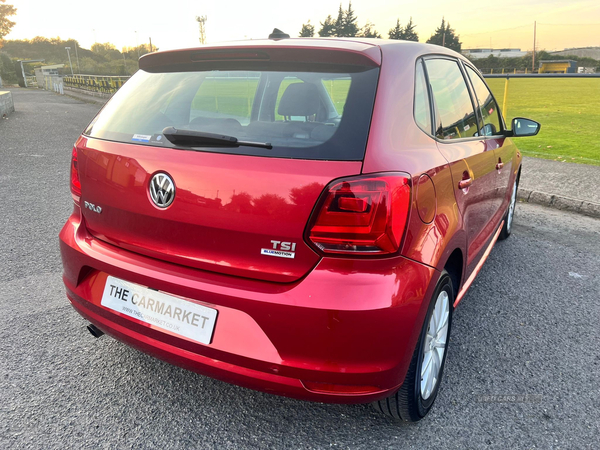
pixel 169 313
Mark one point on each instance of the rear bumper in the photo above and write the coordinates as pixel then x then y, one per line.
pixel 344 333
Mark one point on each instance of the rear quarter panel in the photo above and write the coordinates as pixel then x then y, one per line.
pixel 396 143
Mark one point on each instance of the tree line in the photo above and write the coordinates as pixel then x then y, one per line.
pixel 101 59
pixel 346 25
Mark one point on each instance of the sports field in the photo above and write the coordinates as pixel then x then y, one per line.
pixel 235 96
pixel 568 109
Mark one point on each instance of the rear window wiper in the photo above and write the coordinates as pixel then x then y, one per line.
pixel 192 138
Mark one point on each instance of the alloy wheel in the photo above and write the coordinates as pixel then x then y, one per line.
pixel 435 345
pixel 511 208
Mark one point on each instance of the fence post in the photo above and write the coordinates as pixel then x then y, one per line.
pixel 504 102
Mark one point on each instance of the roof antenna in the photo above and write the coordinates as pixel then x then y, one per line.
pixel 278 34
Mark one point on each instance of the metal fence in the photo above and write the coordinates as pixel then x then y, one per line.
pixel 51 83
pixel 94 83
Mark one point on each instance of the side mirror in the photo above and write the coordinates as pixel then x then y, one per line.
pixel 488 130
pixel 522 127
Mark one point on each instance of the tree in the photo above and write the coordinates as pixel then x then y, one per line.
pixel 108 51
pixel 339 23
pixel 369 31
pixel 397 32
pixel 327 27
pixel 349 26
pixel 445 36
pixel 6 11
pixel 7 69
pixel 307 30
pixel 409 32
pixel 345 25
pixel 142 49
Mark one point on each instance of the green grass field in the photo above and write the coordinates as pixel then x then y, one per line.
pixel 568 109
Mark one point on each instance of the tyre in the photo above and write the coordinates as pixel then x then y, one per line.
pixel 415 397
pixel 508 218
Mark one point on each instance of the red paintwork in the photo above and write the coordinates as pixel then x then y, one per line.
pixel 212 201
pixel 326 328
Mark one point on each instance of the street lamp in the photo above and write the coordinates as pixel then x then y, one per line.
pixel 69 55
pixel 77 58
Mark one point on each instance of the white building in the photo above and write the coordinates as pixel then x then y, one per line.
pixel 478 53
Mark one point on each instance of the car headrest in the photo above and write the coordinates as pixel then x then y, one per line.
pixel 299 99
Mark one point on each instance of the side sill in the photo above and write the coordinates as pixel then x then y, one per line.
pixel 483 259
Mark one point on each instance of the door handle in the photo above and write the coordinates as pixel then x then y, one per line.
pixel 500 165
pixel 463 184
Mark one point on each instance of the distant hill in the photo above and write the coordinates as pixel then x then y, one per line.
pixel 102 59
pixel 51 50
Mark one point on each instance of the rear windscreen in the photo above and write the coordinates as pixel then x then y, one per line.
pixel 302 114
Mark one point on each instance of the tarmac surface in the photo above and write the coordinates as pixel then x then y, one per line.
pixel 578 181
pixel 522 369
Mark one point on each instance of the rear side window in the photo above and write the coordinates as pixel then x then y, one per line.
pixel 487 105
pixel 421 108
pixel 303 114
pixel 452 100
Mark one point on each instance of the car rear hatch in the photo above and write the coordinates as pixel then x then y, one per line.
pixel 234 208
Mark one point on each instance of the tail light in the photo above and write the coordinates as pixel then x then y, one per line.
pixel 75 183
pixel 363 215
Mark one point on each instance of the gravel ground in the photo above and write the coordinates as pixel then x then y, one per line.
pixel 528 326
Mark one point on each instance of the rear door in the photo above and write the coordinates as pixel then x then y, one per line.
pixel 471 160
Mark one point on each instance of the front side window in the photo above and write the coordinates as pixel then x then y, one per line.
pixel 487 105
pixel 452 100
pixel 301 113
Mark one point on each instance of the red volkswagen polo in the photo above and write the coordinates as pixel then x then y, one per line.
pixel 297 216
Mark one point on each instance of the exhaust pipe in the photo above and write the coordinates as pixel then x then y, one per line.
pixel 95 331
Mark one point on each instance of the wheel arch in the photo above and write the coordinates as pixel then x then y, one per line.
pixel 454 265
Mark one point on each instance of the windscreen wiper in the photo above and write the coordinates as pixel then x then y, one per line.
pixel 191 138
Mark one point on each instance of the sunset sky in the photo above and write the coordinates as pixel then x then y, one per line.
pixel 171 24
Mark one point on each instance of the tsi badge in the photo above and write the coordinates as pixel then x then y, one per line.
pixel 92 207
pixel 280 249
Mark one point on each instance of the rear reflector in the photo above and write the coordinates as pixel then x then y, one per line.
pixel 363 215
pixel 75 183
pixel 340 389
